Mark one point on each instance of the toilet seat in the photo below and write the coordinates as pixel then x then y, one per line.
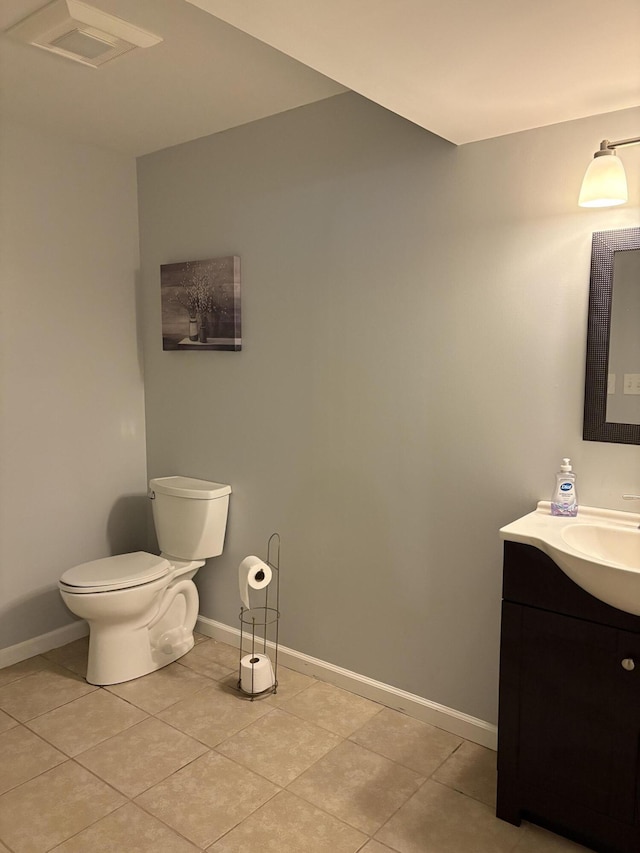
pixel 113 573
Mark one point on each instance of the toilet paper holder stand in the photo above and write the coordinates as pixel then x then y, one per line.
pixel 259 626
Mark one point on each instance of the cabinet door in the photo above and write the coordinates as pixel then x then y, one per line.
pixel 578 725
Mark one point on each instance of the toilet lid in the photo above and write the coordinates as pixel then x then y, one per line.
pixel 120 572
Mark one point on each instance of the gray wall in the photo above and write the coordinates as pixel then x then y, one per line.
pixel 414 322
pixel 72 445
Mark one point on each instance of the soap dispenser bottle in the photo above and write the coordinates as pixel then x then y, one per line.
pixel 565 498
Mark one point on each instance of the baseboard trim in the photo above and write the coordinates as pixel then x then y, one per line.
pixel 44 643
pixel 455 722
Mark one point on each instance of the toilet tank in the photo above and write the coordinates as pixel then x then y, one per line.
pixel 190 516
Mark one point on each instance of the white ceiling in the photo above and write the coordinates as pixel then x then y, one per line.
pixel 463 69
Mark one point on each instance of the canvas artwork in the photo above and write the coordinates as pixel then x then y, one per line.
pixel 201 305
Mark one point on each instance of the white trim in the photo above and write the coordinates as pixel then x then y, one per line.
pixel 455 722
pixel 43 643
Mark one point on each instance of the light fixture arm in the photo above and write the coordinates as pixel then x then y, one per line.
pixel 606 145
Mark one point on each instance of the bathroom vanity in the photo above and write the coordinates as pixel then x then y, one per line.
pixel 569 721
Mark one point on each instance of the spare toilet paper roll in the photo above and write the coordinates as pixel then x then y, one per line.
pixel 252 574
pixel 256 673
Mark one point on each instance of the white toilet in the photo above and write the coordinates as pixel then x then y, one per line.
pixel 141 608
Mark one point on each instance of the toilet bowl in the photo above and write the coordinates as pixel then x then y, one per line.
pixel 141 608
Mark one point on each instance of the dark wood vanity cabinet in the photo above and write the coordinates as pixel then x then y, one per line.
pixel 569 721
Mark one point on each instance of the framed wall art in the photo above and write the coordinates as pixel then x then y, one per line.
pixel 201 305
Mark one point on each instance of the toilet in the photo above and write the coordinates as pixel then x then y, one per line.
pixel 142 608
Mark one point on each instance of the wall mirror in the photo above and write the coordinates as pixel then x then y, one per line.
pixel 612 382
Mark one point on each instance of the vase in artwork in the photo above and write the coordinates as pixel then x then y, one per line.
pixel 202 336
pixel 193 328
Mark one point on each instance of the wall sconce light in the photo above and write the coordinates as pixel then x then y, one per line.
pixel 605 182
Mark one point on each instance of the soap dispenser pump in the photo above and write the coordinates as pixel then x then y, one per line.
pixel 565 497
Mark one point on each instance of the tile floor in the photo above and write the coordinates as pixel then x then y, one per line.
pixel 177 761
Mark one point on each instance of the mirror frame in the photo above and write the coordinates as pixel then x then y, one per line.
pixel 595 426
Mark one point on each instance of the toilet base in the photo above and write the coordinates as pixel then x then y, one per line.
pixel 135 630
pixel 115 659
pixel 123 650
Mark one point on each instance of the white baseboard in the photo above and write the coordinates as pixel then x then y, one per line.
pixel 43 643
pixel 455 722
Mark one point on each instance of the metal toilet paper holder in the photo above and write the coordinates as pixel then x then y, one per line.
pixel 259 625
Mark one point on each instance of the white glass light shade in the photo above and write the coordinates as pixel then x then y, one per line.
pixel 605 182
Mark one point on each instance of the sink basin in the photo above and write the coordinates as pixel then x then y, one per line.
pixel 616 545
pixel 599 550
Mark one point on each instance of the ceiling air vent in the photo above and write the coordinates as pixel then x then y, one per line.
pixel 81 32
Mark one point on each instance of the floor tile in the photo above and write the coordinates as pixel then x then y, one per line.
pixel 114 834
pixel 68 651
pixel 204 665
pixel 287 824
pixel 73 656
pixel 6 722
pixel 207 798
pixel 214 714
pixel 332 708
pixel 415 744
pixel 375 847
pixel 358 786
pixel 472 770
pixel 160 689
pixel 24 755
pixel 141 756
pixel 87 721
pixel 290 683
pixel 279 746
pixel 439 820
pixel 538 840
pixel 213 659
pixel 20 670
pixel 42 691
pixel 53 807
pixel 208 768
pixel 77 665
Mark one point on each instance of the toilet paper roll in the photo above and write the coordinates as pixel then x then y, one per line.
pixel 253 573
pixel 256 673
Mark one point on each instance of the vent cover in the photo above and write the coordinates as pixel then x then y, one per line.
pixel 81 32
